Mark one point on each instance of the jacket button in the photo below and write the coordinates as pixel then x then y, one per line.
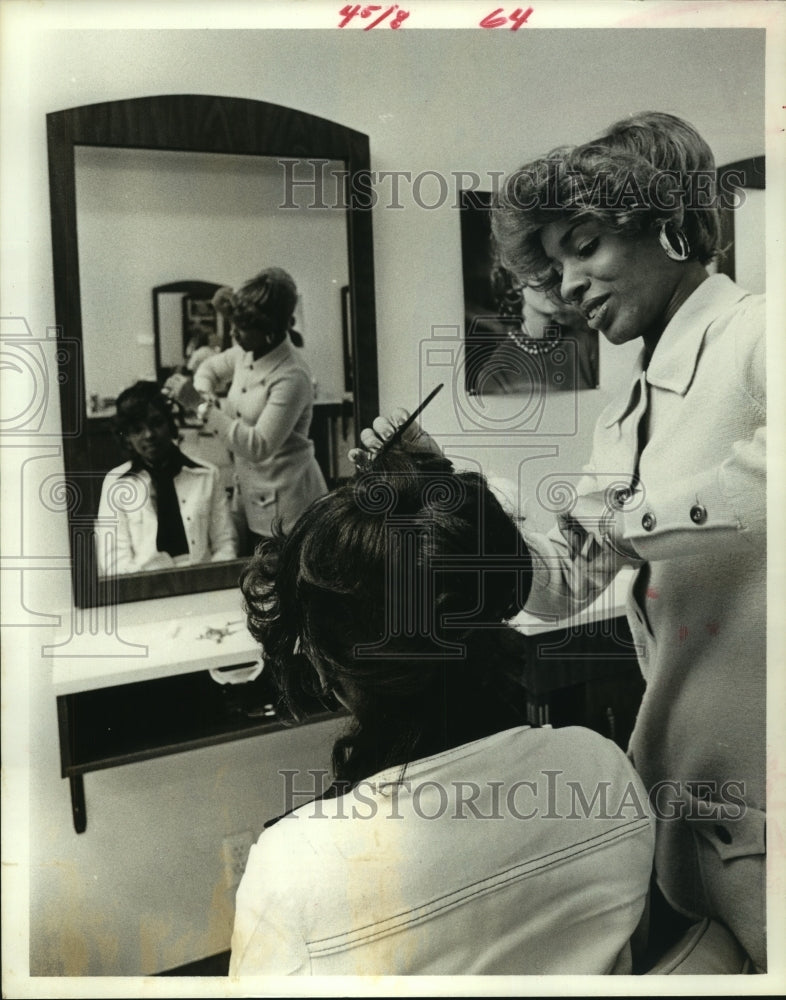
pixel 722 834
pixel 698 514
pixel 648 522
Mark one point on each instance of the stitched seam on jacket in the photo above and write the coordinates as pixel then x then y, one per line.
pixel 390 925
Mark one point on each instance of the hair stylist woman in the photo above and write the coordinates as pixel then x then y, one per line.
pixel 622 228
pixel 265 418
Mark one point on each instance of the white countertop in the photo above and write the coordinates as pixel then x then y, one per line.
pixel 151 639
pixel 144 640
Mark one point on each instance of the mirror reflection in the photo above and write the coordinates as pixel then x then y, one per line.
pixel 186 326
pixel 160 233
pixel 160 508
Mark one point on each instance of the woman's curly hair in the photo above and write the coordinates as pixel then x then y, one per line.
pixel 265 304
pixel 645 170
pixel 133 407
pixel 398 586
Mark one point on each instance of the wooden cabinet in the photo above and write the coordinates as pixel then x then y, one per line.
pixel 126 723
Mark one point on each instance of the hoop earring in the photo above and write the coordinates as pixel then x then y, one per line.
pixel 683 252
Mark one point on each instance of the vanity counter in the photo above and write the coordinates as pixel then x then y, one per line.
pixel 149 640
pixel 169 676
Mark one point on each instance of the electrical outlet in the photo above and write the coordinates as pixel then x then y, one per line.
pixel 234 851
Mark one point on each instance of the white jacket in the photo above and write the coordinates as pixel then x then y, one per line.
pixel 697 608
pixel 127 522
pixel 527 852
pixel 264 421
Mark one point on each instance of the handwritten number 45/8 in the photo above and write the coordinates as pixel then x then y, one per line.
pixel 494 20
pixel 351 10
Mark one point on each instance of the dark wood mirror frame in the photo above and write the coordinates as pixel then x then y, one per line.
pixel 191 123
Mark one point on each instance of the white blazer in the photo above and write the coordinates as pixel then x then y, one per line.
pixel 697 608
pixel 127 522
pixel 264 421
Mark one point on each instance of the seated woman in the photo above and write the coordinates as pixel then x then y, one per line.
pixel 160 509
pixel 455 839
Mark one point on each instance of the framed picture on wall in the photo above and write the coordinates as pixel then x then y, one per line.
pixel 503 356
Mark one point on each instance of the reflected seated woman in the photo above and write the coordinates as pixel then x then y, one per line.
pixel 455 839
pixel 160 509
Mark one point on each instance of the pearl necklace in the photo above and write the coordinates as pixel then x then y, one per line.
pixel 530 344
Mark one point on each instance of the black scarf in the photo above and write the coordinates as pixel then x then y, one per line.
pixel 171 534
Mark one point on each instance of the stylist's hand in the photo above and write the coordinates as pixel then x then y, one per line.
pixel 372 438
pixel 181 389
pixel 590 526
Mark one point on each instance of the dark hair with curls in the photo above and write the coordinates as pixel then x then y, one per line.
pixel 133 407
pixel 645 170
pixel 398 585
pixel 265 304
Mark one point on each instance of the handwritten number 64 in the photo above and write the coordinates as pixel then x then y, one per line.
pixel 518 17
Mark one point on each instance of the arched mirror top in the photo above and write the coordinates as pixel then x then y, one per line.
pixel 209 124
pixel 316 160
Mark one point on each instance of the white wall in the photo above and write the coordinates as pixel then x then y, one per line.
pixel 150 217
pixel 137 892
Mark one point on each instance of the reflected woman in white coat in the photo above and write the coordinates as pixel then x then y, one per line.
pixel 265 416
pixel 160 509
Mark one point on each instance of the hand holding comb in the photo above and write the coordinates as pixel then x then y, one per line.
pixel 402 428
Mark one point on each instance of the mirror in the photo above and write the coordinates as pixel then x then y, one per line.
pixel 186 326
pixel 155 203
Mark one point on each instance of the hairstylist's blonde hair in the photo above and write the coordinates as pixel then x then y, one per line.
pixel 265 304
